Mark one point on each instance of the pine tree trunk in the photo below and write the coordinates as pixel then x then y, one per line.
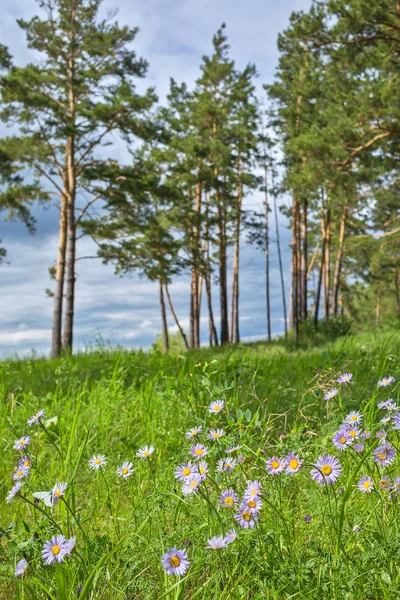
pixel 303 262
pixel 70 293
pixel 338 263
pixel 163 318
pixel 278 244
pixel 176 318
pixel 327 266
pixel 193 308
pixel 222 273
pixel 295 272
pixel 324 229
pixel 267 283
pixel 60 274
pixel 198 253
pixel 378 311
pixel 235 334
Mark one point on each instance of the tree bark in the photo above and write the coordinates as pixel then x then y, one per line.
pixel 60 274
pixel 303 262
pixel 224 336
pixel 324 226
pixel 278 245
pixel 267 282
pixel 327 265
pixel 295 271
pixel 338 262
pixel 163 318
pixel 235 334
pixel 378 311
pixel 176 318
pixel 70 294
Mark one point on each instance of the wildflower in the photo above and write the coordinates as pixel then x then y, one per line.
pixel 97 461
pixel 252 504
pixel 175 561
pixel 353 432
pixel 356 529
pixel 396 421
pixel 353 418
pixel 36 418
pixel 185 470
pixel 203 469
pixel 275 465
pixel 341 439
pixel 14 491
pixel 191 484
pixel 252 489
pixel 193 432
pixel 54 550
pixel 345 378
pixel 21 568
pixel 217 542
pixel 246 519
pixel 145 452
pixel 198 451
pixel 233 449
pixel 231 536
pixel 385 420
pixel 331 394
pixel 216 407
pixel 384 455
pixel 396 485
pixel 365 484
pixel 241 459
pixel 215 434
pixel 388 404
pixel 226 465
pixel 20 473
pixel 307 518
pixel 25 462
pixel 384 483
pixel 385 381
pixel 365 435
pixel 228 498
pixel 22 443
pixel 359 448
pixel 125 470
pixel 69 545
pixel 293 463
pixel 58 491
pixel 327 469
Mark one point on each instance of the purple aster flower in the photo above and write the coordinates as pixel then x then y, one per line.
pixel 275 465
pixel 241 459
pixel 198 451
pixel 365 484
pixel 25 462
pixel 388 404
pixel 385 381
pixel 365 435
pixel 327 469
pixel 217 542
pixel 58 491
pixel 22 443
pixel 203 469
pixel 345 378
pixel 216 407
pixel 20 473
pixel 185 470
pixel 14 491
pixel 215 434
pixel 356 529
pixel 385 420
pixel 191 484
pixel 252 490
pixel 384 483
pixel 36 418
pixel 145 452
pixel 359 448
pixel 293 463
pixel 381 435
pixel 69 545
pixel 341 439
pixel 246 519
pixel 353 418
pixel 231 536
pixel 331 394
pixel 228 498
pixel 97 462
pixel 307 518
pixel 193 432
pixel 233 449
pixel 226 465
pixel 54 550
pixel 396 421
pixel 175 561
pixel 384 455
pixel 353 432
pixel 125 470
pixel 252 504
pixel 21 568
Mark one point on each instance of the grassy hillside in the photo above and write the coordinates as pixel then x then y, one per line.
pixel 113 403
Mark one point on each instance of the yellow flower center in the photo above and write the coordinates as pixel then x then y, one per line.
pixel 366 484
pixel 199 451
pixel 186 471
pixel 146 453
pixel 229 501
pixel 56 549
pixel 21 442
pixel 382 456
pixel 275 464
pixel 246 516
pixel 228 465
pixel 294 463
pixel 19 473
pixel 385 380
pixel 384 483
pixel 193 484
pixel 125 470
pixel 27 463
pixel 251 503
pixel 97 461
pixel 217 407
pixel 202 470
pixel 342 440
pixel 215 435
pixel 175 561
pixel 254 492
pixel 57 493
pixel 352 433
pixel 354 418
pixel 326 469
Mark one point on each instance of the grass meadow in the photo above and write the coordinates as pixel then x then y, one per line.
pixel 305 538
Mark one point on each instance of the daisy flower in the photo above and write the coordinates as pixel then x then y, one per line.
pixel 54 550
pixel 365 435
pixel 69 545
pixel 345 378
pixel 35 419
pixel 228 498
pixel 396 421
pixel 175 561
pixel 341 439
pixel 145 451
pixel 58 491
pixel 365 484
pixel 353 418
pixel 388 404
pixel 198 451
pixel 226 465
pixel 193 432
pixel 191 484
pixel 293 463
pixel 21 568
pixel 384 483
pixel 202 468
pixel 97 461
pixel 231 536
pixel 381 434
pixel 246 519
pixel 384 455
pixel 14 491
pixel 358 448
pixel 216 407
pixel 215 434
pixel 22 443
pixel 233 449
pixel 125 470
pixel 217 542
pixel 275 465
pixel 385 420
pixel 252 490
pixel 385 381
pixel 353 432
pixel 185 470
pixel 327 469
pixel 25 462
pixel 331 394
pixel 20 473
pixel 252 504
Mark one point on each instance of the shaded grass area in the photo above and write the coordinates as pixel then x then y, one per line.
pixel 113 402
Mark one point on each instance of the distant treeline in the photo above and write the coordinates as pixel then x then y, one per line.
pixel 326 136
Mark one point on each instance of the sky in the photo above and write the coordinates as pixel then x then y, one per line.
pixel 173 36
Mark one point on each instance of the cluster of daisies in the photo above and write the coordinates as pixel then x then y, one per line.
pixel 98 461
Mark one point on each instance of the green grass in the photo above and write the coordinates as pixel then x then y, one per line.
pixel 114 402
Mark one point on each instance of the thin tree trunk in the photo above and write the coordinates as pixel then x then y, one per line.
pixel 278 244
pixel 303 262
pixel 70 294
pixel 60 274
pixel 222 273
pixel 322 266
pixel 199 192
pixel 267 282
pixel 327 267
pixel 176 318
pixel 235 334
pixel 163 318
pixel 295 274
pixel 338 262
pixel 378 311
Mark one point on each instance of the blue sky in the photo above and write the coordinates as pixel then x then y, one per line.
pixel 173 37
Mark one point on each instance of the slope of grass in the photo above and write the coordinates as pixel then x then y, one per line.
pixel 113 402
